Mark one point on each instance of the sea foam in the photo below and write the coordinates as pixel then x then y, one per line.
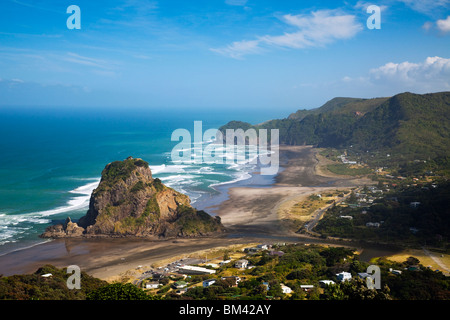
pixel 12 226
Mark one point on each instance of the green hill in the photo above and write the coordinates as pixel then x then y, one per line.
pixel 406 126
pixel 409 126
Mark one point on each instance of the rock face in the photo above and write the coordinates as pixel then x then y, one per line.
pixel 129 202
pixel 67 230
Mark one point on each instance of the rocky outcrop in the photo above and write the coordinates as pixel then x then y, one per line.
pixel 67 230
pixel 130 202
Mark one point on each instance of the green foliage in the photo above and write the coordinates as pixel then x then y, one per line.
pixel 35 287
pixel 345 169
pixel 430 218
pixel 119 291
pixel 158 185
pixel 191 221
pixel 152 207
pixel 138 187
pixel 356 289
pixel 120 170
pixel 407 126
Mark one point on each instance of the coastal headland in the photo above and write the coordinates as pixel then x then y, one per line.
pixel 248 209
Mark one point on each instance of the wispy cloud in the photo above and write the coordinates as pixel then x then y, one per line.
pixel 426 6
pixel 236 2
pixel 433 73
pixel 38 7
pixel 238 49
pixel 86 61
pixel 363 5
pixel 317 29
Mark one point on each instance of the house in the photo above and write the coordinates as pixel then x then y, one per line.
pixel 346 217
pixel 413 230
pixel 373 224
pixel 207 283
pixel 224 262
pixel 396 272
pixel 195 270
pixel 266 284
pixel 285 289
pixel 180 284
pixel 414 268
pixel 262 246
pixel 181 291
pixel 324 283
pixel 306 287
pixel 276 253
pixel 414 204
pixel 343 276
pixel 252 250
pixel 241 264
pixel 157 276
pixel 151 285
pixel 47 275
pixel 363 275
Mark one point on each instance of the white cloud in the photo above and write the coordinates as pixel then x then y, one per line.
pixel 236 2
pixel 432 74
pixel 444 24
pixel 86 61
pixel 426 6
pixel 363 5
pixel 427 26
pixel 238 49
pixel 315 30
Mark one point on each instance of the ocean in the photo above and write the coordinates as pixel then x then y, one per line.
pixel 52 158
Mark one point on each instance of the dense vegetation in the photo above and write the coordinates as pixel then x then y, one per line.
pixel 427 223
pixel 407 126
pixel 119 291
pixel 298 265
pixel 121 170
pixel 192 221
pixel 35 287
pixel 306 265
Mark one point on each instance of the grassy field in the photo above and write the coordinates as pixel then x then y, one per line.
pixel 424 259
pixel 296 212
pixel 348 170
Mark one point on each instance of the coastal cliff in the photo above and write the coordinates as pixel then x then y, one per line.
pixel 130 202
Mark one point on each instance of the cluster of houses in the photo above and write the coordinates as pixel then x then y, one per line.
pixel 181 286
pixel 344 159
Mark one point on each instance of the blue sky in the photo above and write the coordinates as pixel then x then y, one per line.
pixel 212 54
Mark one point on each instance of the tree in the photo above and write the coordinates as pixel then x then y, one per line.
pixel 412 261
pixel 352 198
pixel 226 255
pixel 275 290
pixel 333 292
pixel 118 291
pixel 356 289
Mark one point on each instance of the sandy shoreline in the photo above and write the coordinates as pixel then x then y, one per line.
pixel 248 211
